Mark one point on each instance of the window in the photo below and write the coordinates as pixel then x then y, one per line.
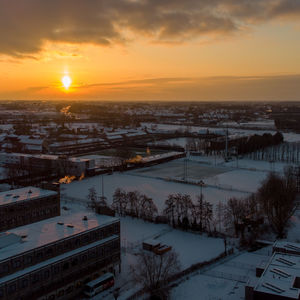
pixel 75 262
pixel 24 283
pixel 16 264
pixel 39 255
pixel 28 259
pixel 46 274
pixel 66 266
pixel 84 257
pixel 56 269
pixel 35 278
pixel 5 268
pixel 92 253
pixel 12 288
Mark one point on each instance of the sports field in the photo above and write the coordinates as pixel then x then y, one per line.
pixel 176 169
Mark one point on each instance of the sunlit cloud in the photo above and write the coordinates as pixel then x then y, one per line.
pixel 26 26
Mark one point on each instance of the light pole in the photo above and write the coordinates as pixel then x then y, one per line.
pixel 201 183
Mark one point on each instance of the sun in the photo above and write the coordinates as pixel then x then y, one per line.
pixel 66 81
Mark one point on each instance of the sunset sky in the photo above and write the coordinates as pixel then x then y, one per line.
pixel 150 49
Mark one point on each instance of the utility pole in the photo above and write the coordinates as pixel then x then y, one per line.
pixel 201 183
pixel 185 169
pixel 226 145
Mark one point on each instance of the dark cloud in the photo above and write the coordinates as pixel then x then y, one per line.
pixel 26 25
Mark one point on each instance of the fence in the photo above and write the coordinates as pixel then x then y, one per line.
pixel 183 273
pixel 229 276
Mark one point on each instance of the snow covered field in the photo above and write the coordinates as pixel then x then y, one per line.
pixel 222 181
pixel 220 176
pixel 191 248
pixel 225 281
pixel 157 189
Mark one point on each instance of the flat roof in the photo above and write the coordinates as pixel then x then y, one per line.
pixel 48 231
pixel 54 259
pixel 279 275
pixel 24 194
pixel 288 246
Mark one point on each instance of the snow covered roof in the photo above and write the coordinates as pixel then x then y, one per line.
pixel 77 142
pixel 159 156
pixel 24 194
pixel 27 140
pixel 34 147
pixel 280 275
pixel 114 137
pixel 135 134
pixel 79 159
pixel 49 231
pixel 287 247
pixel 8 238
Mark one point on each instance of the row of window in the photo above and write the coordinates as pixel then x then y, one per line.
pixel 27 217
pixel 43 253
pixel 58 269
pixel 21 206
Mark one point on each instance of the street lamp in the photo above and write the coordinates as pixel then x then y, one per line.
pixel 201 183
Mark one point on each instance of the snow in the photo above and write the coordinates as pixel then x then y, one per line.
pixel 157 189
pixel 207 287
pixel 24 194
pixel 242 180
pixel 223 281
pixel 254 165
pixel 192 248
pixel 48 231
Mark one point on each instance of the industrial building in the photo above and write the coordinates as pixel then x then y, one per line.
pixel 54 258
pixel 279 279
pixel 27 205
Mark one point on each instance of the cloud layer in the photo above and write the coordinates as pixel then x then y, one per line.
pixel 26 25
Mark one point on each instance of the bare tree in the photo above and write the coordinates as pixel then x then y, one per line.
pixel 147 208
pixel 153 271
pixel 277 197
pixel 235 213
pixel 92 198
pixel 169 210
pixel 134 198
pixel 219 215
pixel 120 201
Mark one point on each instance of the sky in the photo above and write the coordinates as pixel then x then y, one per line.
pixel 150 49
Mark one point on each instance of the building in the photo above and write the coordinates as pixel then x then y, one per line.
pixel 280 279
pixel 76 146
pixel 53 259
pixel 27 205
pixel 45 163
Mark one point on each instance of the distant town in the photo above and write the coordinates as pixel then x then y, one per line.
pixel 149 200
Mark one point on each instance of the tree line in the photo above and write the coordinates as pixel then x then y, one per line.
pixel 269 208
pixel 285 152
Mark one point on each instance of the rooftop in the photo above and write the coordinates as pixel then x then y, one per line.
pixel 52 230
pixel 287 246
pixel 24 194
pixel 279 276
